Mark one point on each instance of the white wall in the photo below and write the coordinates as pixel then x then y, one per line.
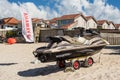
pixel 81 22
pixel 119 28
pixel 73 26
pixel 8 26
pixel 111 26
pixel 91 24
pixel 105 26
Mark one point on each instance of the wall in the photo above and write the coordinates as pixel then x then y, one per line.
pixel 112 38
pixel 81 22
pixel 3 32
pixel 105 26
pixel 51 32
pixel 111 26
pixel 71 33
pixel 91 24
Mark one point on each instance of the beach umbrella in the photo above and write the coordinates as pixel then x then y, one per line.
pixel 11 40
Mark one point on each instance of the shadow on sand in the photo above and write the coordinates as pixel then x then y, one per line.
pixel 116 50
pixel 43 71
pixel 113 47
pixel 40 71
pixel 112 53
pixel 7 64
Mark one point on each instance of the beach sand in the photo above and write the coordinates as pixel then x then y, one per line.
pixel 16 63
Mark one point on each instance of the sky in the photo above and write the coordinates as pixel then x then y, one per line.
pixel 48 9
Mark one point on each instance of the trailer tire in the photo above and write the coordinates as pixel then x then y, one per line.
pixel 43 58
pixel 61 63
pixel 88 62
pixel 76 64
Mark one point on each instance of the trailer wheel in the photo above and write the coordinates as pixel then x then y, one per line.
pixel 88 62
pixel 61 63
pixel 76 64
pixel 43 58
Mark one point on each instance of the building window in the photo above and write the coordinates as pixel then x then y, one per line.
pixel 38 24
pixel 64 22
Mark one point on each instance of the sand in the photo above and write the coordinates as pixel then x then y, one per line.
pixel 16 63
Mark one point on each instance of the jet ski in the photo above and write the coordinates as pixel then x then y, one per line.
pixel 62 48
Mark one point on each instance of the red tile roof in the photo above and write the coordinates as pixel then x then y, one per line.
pixel 47 21
pixel 100 22
pixel 68 25
pixel 19 21
pixel 90 17
pixel 10 20
pixel 52 21
pixel 117 26
pixel 36 19
pixel 71 16
pixel 64 17
pixel 111 22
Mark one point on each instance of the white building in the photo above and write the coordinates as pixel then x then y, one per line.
pixel 9 23
pixel 39 22
pixel 91 22
pixel 53 23
pixel 103 24
pixel 117 26
pixel 71 21
pixel 111 25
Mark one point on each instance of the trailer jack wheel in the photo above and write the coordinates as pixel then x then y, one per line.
pixel 76 64
pixel 88 62
pixel 61 63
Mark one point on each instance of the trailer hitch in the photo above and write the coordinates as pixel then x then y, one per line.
pixel 34 53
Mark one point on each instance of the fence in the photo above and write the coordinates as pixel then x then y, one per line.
pixel 71 33
pixel 51 32
pixel 3 32
pixel 112 38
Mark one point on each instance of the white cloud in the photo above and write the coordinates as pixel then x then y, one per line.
pixel 99 9
pixel 37 12
pixel 69 6
pixel 8 9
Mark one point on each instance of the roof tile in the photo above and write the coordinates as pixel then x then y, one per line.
pixel 100 22
pixel 10 20
pixel 68 25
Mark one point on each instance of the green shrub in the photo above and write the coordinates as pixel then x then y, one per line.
pixel 11 34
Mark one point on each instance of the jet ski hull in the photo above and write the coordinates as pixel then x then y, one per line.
pixel 66 54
